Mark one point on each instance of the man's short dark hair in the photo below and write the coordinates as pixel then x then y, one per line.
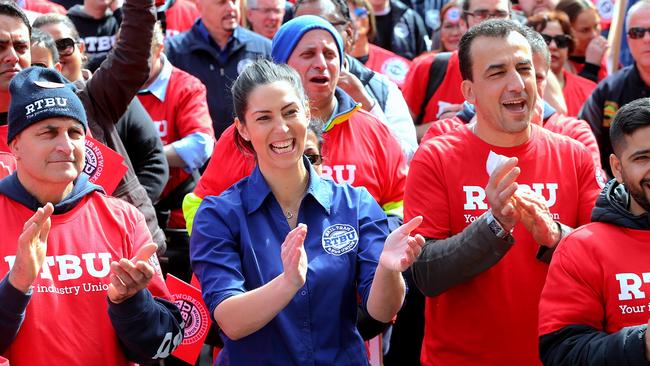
pixel 493 28
pixel 44 39
pixel 628 119
pixel 10 9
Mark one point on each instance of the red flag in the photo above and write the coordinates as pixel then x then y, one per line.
pixel 195 315
pixel 103 166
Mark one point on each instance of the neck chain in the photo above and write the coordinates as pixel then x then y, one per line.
pixel 288 215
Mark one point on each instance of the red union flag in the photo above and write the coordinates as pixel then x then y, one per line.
pixel 103 166
pixel 195 315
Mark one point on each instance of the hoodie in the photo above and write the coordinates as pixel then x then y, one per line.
pixel 142 323
pixel 98 34
pixel 591 281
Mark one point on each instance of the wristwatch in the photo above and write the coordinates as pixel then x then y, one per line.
pixel 495 226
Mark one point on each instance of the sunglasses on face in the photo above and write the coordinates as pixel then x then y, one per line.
pixel 482 14
pixel 314 159
pixel 561 40
pixel 65 46
pixel 360 12
pixel 637 32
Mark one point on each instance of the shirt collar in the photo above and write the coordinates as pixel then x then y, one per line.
pixel 203 31
pixel 257 190
pixel 159 86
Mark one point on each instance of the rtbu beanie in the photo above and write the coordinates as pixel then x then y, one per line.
pixel 38 93
pixel 291 32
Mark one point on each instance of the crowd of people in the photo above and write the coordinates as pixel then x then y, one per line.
pixel 467 181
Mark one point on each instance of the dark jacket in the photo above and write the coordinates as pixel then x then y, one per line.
pixel 98 34
pixel 141 322
pixel 108 93
pixel 611 94
pixel 145 149
pixel 583 345
pixel 193 53
pixel 373 85
pixel 409 36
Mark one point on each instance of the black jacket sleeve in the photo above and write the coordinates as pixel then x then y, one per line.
pixel 577 345
pixel 145 149
pixel 12 312
pixel 446 263
pixel 148 328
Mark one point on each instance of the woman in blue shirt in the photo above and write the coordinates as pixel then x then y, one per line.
pixel 283 256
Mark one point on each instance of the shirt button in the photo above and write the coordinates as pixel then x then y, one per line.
pixel 305 324
pixel 303 292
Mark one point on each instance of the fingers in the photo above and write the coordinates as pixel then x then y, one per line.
pixel 501 170
pixel 133 276
pixel 40 216
pixel 145 252
pixel 411 225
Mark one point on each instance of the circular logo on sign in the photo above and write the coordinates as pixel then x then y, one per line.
pixel 339 239
pixel 94 161
pixel 401 30
pixel 242 64
pixel 194 316
pixel 396 69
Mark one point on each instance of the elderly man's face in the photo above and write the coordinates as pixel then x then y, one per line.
pixel 640 48
pixel 316 58
pixel 14 49
pixel 266 17
pixel 50 152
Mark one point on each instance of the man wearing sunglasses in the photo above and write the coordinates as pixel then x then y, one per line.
pixel 624 86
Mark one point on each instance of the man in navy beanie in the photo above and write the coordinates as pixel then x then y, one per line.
pixel 69 249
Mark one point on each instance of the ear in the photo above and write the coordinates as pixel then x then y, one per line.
pixel 307 111
pixel 14 147
pixel 241 128
pixel 351 38
pixel 58 66
pixel 617 169
pixel 467 87
pixel 82 47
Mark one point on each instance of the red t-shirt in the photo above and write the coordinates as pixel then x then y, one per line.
pixel 492 319
pixel 385 62
pixel 44 7
pixel 184 111
pixel 415 87
pixel 598 277
pixel 180 17
pixel 66 321
pixel 576 91
pixel 357 149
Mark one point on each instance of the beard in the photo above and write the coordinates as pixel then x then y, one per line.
pixel 637 192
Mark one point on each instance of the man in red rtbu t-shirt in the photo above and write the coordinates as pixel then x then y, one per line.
pixel 79 270
pixel 594 307
pixel 493 221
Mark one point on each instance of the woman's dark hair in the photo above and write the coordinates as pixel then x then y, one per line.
pixel 573 8
pixel 261 72
pixel 539 22
pixel 53 18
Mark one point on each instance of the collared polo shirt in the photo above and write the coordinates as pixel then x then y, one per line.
pixel 235 247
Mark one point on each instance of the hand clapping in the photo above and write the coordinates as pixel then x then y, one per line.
pixel 401 249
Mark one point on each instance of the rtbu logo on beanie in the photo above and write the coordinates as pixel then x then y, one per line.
pixel 37 94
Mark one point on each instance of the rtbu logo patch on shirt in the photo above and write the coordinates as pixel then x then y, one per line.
pixel 339 239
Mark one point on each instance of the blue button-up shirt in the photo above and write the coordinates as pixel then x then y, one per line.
pixel 235 247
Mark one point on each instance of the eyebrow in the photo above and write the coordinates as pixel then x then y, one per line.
pixel 639 152
pixel 268 111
